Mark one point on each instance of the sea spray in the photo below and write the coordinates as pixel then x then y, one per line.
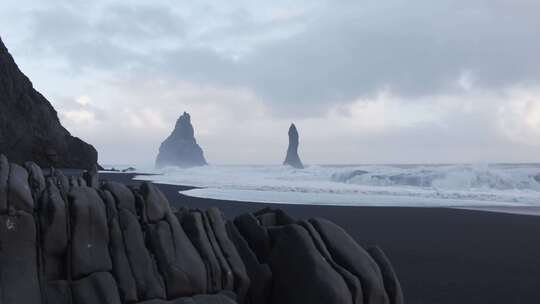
pixel 392 185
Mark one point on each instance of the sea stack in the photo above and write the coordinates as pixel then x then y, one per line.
pixel 292 158
pixel 29 126
pixel 180 149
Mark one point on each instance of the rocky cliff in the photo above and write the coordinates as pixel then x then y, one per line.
pixel 82 241
pixel 180 148
pixel 292 158
pixel 29 125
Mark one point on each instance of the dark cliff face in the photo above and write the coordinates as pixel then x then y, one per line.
pixel 180 149
pixel 29 125
pixel 292 158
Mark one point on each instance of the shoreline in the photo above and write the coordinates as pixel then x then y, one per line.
pixel 517 210
pixel 495 208
pixel 223 195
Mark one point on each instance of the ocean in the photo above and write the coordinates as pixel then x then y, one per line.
pixel 443 185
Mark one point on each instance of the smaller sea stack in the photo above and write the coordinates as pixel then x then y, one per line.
pixel 292 158
pixel 180 149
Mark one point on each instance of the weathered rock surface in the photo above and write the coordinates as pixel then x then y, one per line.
pixel 347 253
pixel 180 149
pixel 177 259
pixel 130 242
pixel 296 260
pixel 89 233
pixel 29 125
pixel 19 279
pixel 292 158
pixel 71 243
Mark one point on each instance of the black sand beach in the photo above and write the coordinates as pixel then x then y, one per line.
pixel 441 255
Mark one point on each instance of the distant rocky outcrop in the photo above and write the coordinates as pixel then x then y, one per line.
pixel 79 240
pixel 292 158
pixel 180 149
pixel 29 125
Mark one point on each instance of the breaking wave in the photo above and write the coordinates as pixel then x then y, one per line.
pixel 388 185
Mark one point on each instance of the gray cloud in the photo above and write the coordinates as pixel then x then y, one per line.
pixel 109 37
pixel 414 50
pixel 348 50
pixel 135 23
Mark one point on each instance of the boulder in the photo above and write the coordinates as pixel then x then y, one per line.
pixel 352 281
pixel 273 217
pixel 357 276
pixel 19 281
pixel 237 268
pixel 214 247
pixel 348 254
pixel 255 235
pixel 155 204
pixel 121 267
pixel 260 275
pixel 62 182
pixel 89 233
pixel 53 226
pixel 226 277
pixel 19 194
pixel 178 261
pixel 148 281
pixel 180 149
pixel 194 225
pixel 19 273
pixel 98 287
pixel 36 180
pixel 391 283
pixel 57 292
pixel 295 261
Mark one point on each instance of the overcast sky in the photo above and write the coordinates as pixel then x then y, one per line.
pixel 365 81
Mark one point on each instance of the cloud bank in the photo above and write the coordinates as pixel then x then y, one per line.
pixel 445 81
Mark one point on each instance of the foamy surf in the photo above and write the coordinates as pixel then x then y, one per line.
pixel 465 186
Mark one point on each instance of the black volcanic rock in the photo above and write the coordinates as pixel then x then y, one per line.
pixel 296 258
pixel 180 148
pixel 292 158
pixel 29 125
pixel 113 244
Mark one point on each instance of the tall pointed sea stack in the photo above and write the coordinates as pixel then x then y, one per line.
pixel 292 158
pixel 180 149
pixel 29 126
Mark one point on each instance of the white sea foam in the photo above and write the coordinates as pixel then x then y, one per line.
pixel 509 185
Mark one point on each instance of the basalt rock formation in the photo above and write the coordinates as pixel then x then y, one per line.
pixel 79 240
pixel 292 158
pixel 180 149
pixel 29 125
